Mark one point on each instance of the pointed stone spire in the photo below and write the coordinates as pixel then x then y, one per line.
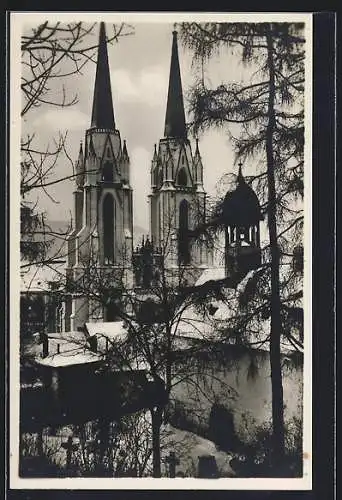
pixel 103 113
pixel 80 167
pixel 91 147
pixel 175 116
pixel 80 154
pixel 197 153
pixel 198 167
pixel 124 149
pixel 155 156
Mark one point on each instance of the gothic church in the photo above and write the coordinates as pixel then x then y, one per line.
pixel 102 239
pixel 103 203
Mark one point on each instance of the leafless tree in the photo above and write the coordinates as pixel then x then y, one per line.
pixel 52 54
pixel 152 312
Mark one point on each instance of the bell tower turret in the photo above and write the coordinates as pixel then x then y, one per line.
pixel 242 216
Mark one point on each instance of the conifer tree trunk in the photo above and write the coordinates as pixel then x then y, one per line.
pixel 40 449
pixel 156 414
pixel 104 442
pixel 168 369
pixel 275 358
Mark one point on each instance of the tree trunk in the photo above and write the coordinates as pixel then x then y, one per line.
pixel 40 449
pixel 168 374
pixel 104 443
pixel 275 357
pixel 156 414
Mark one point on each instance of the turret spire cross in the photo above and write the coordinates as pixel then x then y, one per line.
pixel 240 176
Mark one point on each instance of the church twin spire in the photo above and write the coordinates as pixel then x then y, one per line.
pixel 175 125
pixel 174 165
pixel 103 112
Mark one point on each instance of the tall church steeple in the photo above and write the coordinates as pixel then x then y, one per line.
pixel 175 116
pixel 103 232
pixel 177 199
pixel 102 114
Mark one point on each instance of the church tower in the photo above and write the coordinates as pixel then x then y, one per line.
pixel 103 211
pixel 242 216
pixel 177 199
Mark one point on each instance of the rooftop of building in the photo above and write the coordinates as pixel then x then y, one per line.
pixel 211 323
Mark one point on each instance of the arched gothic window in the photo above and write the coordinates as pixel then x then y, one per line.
pixel 156 176
pixel 183 235
pixel 160 176
pixel 107 172
pixel 108 228
pixel 182 179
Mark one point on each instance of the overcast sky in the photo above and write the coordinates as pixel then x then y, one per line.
pixel 139 66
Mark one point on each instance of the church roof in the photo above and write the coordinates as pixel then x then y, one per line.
pixel 175 116
pixel 102 113
pixel 241 207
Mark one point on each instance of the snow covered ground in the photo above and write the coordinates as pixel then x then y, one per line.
pixel 187 447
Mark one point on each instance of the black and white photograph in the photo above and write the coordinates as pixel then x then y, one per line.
pixel 161 250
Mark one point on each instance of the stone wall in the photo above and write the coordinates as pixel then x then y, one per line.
pixel 227 396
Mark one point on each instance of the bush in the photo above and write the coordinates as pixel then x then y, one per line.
pixel 254 459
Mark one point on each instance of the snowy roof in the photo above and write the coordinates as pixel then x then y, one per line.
pixel 110 329
pixel 195 326
pixel 72 348
pixel 209 325
pixel 211 273
pixel 69 358
pixel 242 243
pixel 73 337
pixel 83 357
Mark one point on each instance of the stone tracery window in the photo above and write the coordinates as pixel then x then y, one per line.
pixel 182 179
pixel 160 177
pixel 107 172
pixel 108 228
pixel 183 235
